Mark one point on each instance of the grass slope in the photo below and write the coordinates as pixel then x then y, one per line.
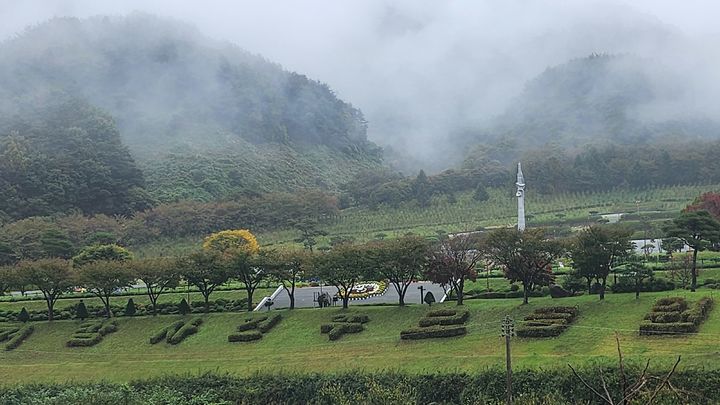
pixel 296 345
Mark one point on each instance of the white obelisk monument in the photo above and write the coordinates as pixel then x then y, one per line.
pixel 521 198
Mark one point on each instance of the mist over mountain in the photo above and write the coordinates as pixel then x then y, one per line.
pixel 179 99
pixel 598 100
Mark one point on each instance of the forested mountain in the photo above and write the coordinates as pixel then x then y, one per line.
pixel 599 100
pixel 179 99
pixel 62 156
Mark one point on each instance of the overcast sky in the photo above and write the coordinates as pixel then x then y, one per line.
pixel 417 68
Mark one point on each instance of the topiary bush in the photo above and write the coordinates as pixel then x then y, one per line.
pixel 130 308
pixel 457 319
pixel 343 324
pixel 163 333
pixel 547 322
pixel 671 316
pixel 6 334
pixel 441 312
pixel 343 328
pixel 435 331
pixel 266 325
pixel 19 337
pixel 186 330
pixel 24 316
pixel 91 333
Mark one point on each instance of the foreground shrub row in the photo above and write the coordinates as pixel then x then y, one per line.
pixel 547 322
pixel 91 333
pixel 671 316
pixel 342 324
pixel 440 323
pixel 253 328
pixel 15 335
pixel 543 386
pixel 98 311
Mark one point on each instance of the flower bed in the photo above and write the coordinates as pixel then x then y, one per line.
pixel 366 290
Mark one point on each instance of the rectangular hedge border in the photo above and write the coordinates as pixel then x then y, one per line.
pixel 548 322
pixel 162 333
pixel 91 333
pixel 7 333
pixel 668 317
pixel 246 336
pixel 436 331
pixel 186 330
pixel 344 323
pixel 458 319
pixel 19 337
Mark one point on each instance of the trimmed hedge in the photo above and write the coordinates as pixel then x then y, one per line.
pixel 342 328
pixel 84 342
pixel 91 333
pixel 441 312
pixel 162 334
pixel 550 315
pixel 19 337
pixel 186 330
pixel 548 322
pixel 531 386
pixel 250 323
pixel 245 336
pixel 435 331
pixel 551 330
pixel 98 311
pixel 458 319
pixel 671 316
pixel 650 328
pixel 266 325
pixel 558 309
pixel 326 327
pixel 7 333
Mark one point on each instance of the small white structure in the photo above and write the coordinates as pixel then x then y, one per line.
pixel 520 194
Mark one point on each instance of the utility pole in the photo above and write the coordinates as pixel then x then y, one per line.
pixel 508 331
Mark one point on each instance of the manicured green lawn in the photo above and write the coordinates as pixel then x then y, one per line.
pixel 296 344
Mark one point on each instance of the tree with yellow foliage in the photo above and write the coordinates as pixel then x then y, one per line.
pixel 232 240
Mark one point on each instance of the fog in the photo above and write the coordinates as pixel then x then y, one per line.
pixel 422 70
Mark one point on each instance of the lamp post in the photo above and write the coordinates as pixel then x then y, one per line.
pixel 422 293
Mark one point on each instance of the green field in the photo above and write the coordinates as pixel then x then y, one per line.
pixel 569 210
pixel 296 344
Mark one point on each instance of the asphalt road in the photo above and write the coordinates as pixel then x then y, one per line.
pixel 304 296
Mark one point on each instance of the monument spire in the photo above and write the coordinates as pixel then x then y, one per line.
pixel 521 198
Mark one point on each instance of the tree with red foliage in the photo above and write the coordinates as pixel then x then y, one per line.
pixel 453 261
pixel 709 202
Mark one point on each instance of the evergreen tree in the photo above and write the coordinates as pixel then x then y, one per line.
pixel 481 193
pixel 421 189
pixel 24 316
pixel 429 298
pixel 81 311
pixel 184 308
pixel 130 308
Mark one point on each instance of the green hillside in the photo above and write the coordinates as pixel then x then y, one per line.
pixel 204 119
pixel 296 344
